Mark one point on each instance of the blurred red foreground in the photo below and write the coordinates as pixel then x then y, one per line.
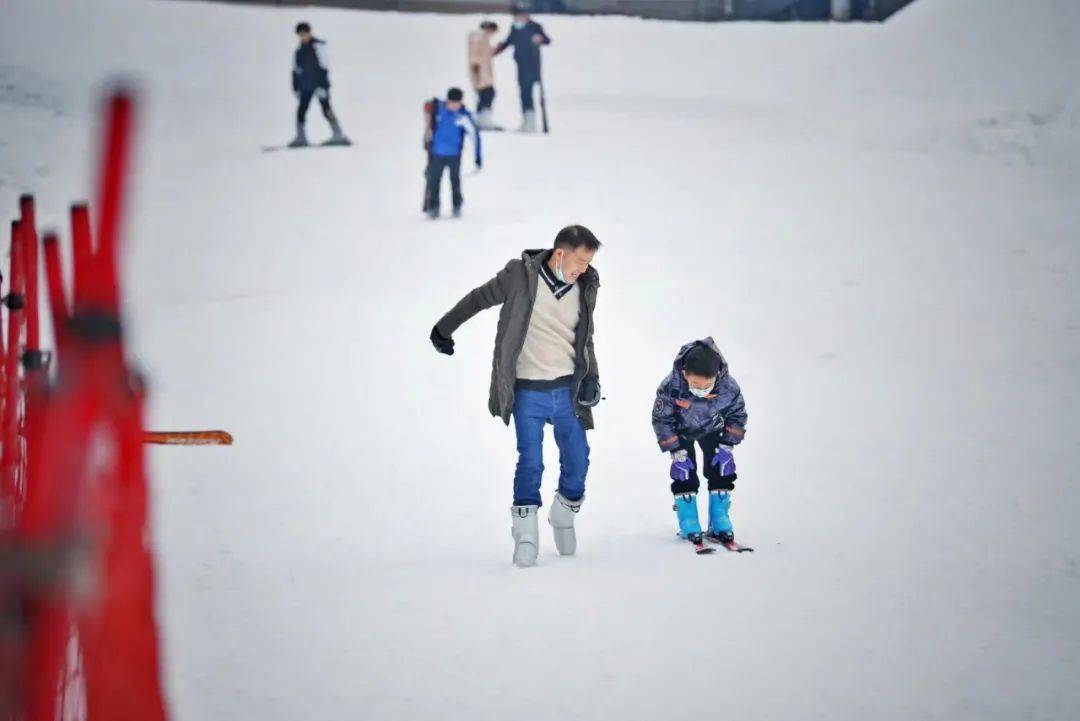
pixel 78 638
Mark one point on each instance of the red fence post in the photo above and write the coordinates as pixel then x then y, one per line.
pixel 82 253
pixel 54 278
pixel 12 446
pixel 30 263
pixel 114 175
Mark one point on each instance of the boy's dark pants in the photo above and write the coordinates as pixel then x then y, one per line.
pixel 716 481
pixel 487 97
pixel 305 96
pixel 436 165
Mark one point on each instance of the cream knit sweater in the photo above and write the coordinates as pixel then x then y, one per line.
pixel 549 343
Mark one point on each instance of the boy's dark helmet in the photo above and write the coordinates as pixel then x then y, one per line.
pixel 302 28
pixel 455 94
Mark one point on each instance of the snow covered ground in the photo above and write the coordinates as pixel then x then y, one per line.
pixel 878 224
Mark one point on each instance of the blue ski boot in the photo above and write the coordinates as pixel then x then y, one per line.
pixel 686 510
pixel 720 528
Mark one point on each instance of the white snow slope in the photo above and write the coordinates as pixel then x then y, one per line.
pixel 878 224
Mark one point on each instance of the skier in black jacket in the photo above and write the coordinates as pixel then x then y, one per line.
pixel 311 79
pixel 526 36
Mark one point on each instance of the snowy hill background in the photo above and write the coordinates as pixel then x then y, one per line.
pixel 877 224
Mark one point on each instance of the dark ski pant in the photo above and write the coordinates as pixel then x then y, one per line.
pixel 532 411
pixel 305 96
pixel 436 165
pixel 527 78
pixel 716 481
pixel 487 97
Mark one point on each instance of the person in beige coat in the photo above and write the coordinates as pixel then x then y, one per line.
pixel 481 72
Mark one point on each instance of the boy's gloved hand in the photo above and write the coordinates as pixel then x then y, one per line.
pixel 724 460
pixel 681 465
pixel 443 345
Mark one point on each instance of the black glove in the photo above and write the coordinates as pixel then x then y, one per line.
pixel 589 395
pixel 443 345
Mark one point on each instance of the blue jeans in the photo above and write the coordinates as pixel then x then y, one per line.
pixel 532 411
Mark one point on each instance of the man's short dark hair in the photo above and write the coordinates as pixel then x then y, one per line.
pixel 576 236
pixel 702 361
pixel 455 94
pixel 302 28
pixel 489 25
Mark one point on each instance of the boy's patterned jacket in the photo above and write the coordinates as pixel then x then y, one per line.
pixel 677 413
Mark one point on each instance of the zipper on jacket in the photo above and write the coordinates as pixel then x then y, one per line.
pixel 528 320
pixel 585 350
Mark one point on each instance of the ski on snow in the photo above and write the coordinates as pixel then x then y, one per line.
pixel 699 545
pixel 729 544
pixel 325 144
pixel 701 548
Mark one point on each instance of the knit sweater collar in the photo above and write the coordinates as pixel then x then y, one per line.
pixel 558 287
pixel 534 258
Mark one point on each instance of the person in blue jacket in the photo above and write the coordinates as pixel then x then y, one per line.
pixel 699 402
pixel 448 123
pixel 526 36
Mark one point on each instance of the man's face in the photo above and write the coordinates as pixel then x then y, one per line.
pixel 574 262
pixel 701 383
pixel 305 37
pixel 453 105
pixel 489 31
pixel 521 18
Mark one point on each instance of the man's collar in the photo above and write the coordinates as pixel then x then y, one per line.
pixel 558 287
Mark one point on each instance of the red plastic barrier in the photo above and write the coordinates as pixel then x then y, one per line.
pixel 89 650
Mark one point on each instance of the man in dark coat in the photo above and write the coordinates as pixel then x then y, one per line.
pixel 544 371
pixel 526 36
pixel 311 79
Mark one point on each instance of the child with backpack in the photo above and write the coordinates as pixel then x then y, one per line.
pixel 448 122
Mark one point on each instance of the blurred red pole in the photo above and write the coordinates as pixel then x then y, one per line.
pixel 119 640
pixel 16 319
pixel 83 252
pixel 30 261
pixel 3 356
pixel 54 278
pixel 114 174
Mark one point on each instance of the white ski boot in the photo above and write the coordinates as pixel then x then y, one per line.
pixel 561 518
pixel 485 120
pixel 528 122
pixel 338 138
pixel 526 535
pixel 300 140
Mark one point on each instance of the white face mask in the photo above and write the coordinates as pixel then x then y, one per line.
pixel 700 392
pixel 519 25
pixel 559 273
